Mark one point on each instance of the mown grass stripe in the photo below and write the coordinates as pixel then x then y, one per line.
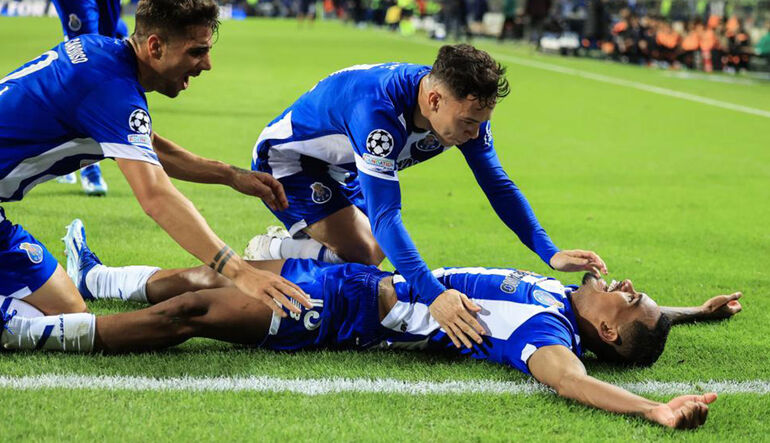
pixel 319 386
pixel 617 81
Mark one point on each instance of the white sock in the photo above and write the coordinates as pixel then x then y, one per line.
pixel 65 332
pixel 126 283
pixel 302 248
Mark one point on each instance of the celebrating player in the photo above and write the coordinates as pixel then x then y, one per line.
pixel 338 151
pixel 84 101
pixel 533 323
pixel 79 17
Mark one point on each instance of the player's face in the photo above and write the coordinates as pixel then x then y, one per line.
pixel 184 57
pixel 618 303
pixel 455 121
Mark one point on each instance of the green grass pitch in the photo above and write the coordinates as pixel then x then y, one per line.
pixel 674 194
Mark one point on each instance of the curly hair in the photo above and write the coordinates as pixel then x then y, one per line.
pixel 468 71
pixel 172 17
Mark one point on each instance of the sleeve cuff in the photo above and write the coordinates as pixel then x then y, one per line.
pixel 429 290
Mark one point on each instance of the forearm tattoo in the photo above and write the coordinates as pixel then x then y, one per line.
pixel 220 260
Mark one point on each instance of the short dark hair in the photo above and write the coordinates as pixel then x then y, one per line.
pixel 169 18
pixel 468 71
pixel 646 344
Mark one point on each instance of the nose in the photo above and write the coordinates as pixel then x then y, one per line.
pixel 205 63
pixel 627 286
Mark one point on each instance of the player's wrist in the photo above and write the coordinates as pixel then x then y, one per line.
pixel 226 262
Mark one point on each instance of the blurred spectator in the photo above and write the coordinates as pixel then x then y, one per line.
pixel 456 19
pixel 763 46
pixel 536 11
pixel 509 20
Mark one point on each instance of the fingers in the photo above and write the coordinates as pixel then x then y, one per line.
pixel 295 293
pixel 278 192
pixel 451 334
pixel 280 298
pixel 469 304
pixel 460 334
pixel 595 261
pixel 471 327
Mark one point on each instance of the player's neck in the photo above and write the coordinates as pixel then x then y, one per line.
pixel 143 69
pixel 422 109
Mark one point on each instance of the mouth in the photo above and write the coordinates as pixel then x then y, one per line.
pixel 613 286
pixel 185 81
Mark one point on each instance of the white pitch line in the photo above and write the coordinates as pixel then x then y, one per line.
pixel 627 83
pixel 320 386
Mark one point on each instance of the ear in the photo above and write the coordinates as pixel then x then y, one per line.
pixel 607 333
pixel 434 97
pixel 155 46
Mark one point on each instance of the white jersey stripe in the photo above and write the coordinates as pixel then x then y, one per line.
pixel 38 164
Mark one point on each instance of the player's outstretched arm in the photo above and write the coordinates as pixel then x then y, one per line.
pixel 182 164
pixel 178 217
pixel 720 307
pixel 557 367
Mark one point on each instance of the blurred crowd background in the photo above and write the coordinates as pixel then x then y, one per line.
pixel 730 36
pixel 706 35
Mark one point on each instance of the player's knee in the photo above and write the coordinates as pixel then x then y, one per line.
pixel 180 313
pixel 368 254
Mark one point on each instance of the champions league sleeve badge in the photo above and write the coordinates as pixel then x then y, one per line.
pixel 379 142
pixel 34 252
pixel 139 121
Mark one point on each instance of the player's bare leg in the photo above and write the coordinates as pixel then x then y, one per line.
pixel 221 314
pixel 347 232
pixel 168 283
pixel 57 296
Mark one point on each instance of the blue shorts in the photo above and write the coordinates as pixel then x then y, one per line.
pixel 80 17
pixel 345 310
pixel 313 198
pixel 25 264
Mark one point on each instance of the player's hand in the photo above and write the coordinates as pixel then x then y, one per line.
pixel 271 289
pixel 262 185
pixel 685 412
pixel 456 314
pixel 574 260
pixel 722 306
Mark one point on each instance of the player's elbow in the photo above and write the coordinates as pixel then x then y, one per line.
pixel 569 384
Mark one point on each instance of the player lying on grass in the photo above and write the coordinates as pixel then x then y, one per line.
pixel 533 323
pixel 338 151
pixel 84 101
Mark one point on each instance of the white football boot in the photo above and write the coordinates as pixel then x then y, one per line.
pixel 259 246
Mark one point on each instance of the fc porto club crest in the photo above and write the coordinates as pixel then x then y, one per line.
pixel 74 23
pixel 379 142
pixel 544 298
pixel 34 252
pixel 139 121
pixel 321 193
pixel 428 144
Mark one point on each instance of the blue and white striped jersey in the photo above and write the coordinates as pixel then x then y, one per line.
pixel 359 119
pixel 356 119
pixel 74 105
pixel 521 312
